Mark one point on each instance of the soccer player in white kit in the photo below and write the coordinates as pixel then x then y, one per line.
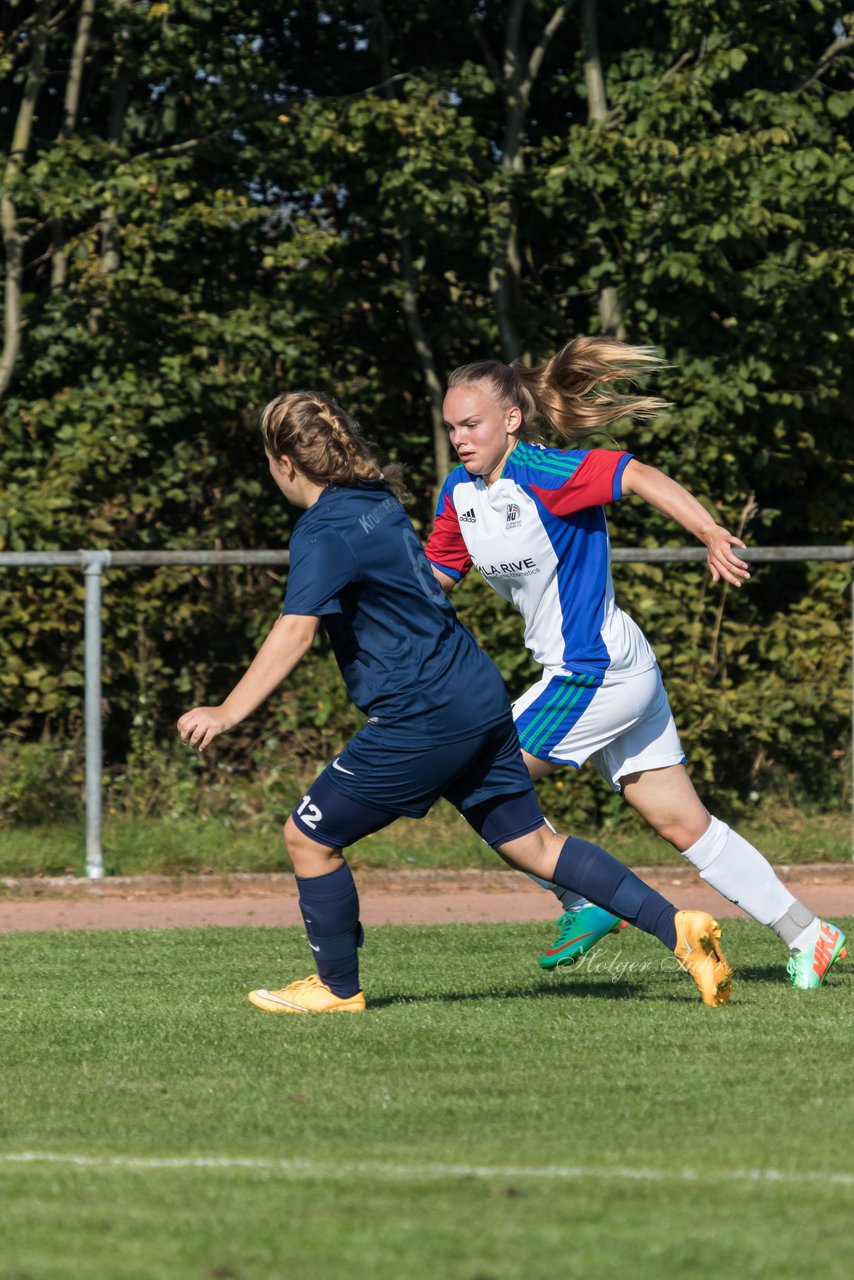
pixel 531 519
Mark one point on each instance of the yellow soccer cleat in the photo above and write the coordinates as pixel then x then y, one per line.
pixel 308 995
pixel 698 952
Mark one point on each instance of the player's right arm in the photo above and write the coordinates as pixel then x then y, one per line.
pixel 446 549
pixel 669 496
pixel 287 643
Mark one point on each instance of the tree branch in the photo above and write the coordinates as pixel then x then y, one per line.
pixel 830 54
pixel 597 101
pixel 675 69
pixel 58 18
pixel 512 42
pixel 492 64
pixel 71 109
pixel 110 257
pixel 409 295
pixel 610 310
pixel 13 241
pixel 517 81
pixel 427 358
pixel 535 61
pixel 748 511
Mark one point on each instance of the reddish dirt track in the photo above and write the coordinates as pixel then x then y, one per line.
pixel 387 897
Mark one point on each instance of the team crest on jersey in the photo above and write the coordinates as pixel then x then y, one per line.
pixel 514 517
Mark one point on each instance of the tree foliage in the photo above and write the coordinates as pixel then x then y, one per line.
pixel 204 204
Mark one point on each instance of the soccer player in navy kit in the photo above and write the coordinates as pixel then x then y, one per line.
pixel 438 718
pixel 531 520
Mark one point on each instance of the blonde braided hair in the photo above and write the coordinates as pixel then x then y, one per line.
pixel 323 441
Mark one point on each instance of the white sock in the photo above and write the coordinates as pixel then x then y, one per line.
pixel 806 938
pixel 729 864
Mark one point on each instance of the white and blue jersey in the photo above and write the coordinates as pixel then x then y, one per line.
pixel 538 535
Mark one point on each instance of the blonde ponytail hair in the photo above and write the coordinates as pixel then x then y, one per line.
pixel 573 390
pixel 323 441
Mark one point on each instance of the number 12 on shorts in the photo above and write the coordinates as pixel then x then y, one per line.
pixel 309 812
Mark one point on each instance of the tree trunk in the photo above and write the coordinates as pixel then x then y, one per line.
pixel 409 301
pixel 14 242
pixel 505 273
pixel 610 311
pixel 110 256
pixel 427 358
pixel 71 109
pixel 515 78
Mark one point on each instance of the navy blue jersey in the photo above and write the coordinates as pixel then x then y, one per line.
pixel 407 660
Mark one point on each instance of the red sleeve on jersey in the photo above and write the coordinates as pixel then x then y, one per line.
pixel 446 548
pixel 594 483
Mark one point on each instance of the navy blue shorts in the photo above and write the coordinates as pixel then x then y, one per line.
pixel 374 781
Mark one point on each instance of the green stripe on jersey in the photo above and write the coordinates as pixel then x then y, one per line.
pixel 554 463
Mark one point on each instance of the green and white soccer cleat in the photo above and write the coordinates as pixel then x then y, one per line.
pixel 578 931
pixel 809 968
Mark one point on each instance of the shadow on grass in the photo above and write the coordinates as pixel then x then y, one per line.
pixel 774 973
pixel 612 991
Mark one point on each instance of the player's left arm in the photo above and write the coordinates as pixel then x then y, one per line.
pixel 287 643
pixel 667 495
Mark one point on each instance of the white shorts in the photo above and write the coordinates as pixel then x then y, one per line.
pixel 621 728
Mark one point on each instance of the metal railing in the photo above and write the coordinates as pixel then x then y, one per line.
pixel 93 563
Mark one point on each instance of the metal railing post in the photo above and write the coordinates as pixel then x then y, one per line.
pixel 94 563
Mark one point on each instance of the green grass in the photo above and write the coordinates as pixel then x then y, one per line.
pixel 481 1121
pixel 173 846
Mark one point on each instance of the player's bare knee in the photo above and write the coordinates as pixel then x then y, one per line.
pixel 536 852
pixel 309 857
pixel 680 833
pixel 298 845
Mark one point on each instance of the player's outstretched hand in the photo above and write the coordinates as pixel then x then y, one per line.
pixel 199 727
pixel 721 559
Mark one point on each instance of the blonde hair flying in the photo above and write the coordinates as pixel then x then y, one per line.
pixel 573 391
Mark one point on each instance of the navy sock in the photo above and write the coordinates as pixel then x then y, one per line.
pixel 330 909
pixel 589 870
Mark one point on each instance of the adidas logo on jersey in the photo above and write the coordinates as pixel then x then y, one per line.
pixel 469 516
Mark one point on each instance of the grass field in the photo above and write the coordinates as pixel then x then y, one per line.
pixel 481 1121
pixel 177 845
